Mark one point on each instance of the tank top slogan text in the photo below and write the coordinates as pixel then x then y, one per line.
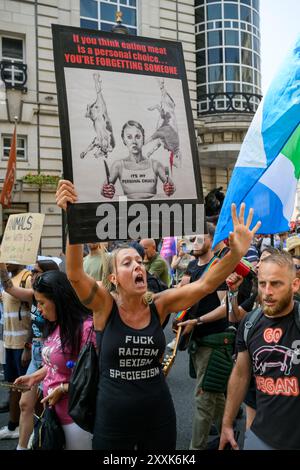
pixel 138 354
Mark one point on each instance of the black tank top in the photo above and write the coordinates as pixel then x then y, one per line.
pixel 132 392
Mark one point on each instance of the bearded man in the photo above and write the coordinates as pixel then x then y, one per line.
pixel 272 351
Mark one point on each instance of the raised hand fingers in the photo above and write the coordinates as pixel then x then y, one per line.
pixel 256 227
pixel 242 213
pixel 65 185
pixel 234 217
pixel 249 218
pixel 65 193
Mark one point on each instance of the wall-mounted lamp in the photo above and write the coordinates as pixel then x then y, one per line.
pixel 14 104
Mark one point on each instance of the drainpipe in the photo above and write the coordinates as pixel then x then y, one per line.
pixel 38 105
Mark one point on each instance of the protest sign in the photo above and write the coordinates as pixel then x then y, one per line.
pixel 127 131
pixel 21 238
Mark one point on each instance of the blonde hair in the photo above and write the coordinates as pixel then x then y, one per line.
pixel 180 242
pixel 110 267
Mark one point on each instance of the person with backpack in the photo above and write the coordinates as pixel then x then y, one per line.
pixel 268 345
pixel 237 312
pixel 32 352
pixel 17 323
pixel 154 263
pixel 68 325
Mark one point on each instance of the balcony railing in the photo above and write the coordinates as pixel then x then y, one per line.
pixel 14 74
pixel 228 103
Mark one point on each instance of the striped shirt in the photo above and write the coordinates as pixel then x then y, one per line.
pixel 16 325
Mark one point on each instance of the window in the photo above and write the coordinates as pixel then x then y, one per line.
pixel 257 78
pixel 232 55
pixel 255 4
pixel 200 59
pixel 201 90
pixel 231 38
pixel 108 12
pixel 247 75
pixel 232 87
pixel 255 44
pixel 247 2
pixel 12 56
pixel 88 8
pixel 256 61
pixel 201 75
pixel 215 56
pixel 232 73
pixel 245 14
pixel 101 14
pixel 246 57
pixel 216 88
pixel 199 15
pixel 21 147
pixel 231 11
pixel 215 73
pixel 214 12
pixel 255 19
pixel 89 24
pixel 246 40
pixel 214 38
pixel 247 88
pixel 200 41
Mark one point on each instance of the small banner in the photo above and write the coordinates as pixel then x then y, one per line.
pixel 21 238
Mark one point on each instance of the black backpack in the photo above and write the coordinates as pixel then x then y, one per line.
pixel 254 316
pixel 155 285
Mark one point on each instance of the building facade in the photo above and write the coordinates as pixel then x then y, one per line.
pixel 228 82
pixel 222 57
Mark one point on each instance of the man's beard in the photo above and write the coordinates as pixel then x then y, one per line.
pixel 201 252
pixel 279 307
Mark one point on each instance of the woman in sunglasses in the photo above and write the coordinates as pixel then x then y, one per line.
pixel 134 407
pixel 67 326
pixel 33 346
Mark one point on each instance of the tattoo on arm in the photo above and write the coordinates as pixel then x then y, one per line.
pixel 91 297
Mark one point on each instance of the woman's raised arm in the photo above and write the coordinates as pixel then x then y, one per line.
pixel 93 295
pixel 174 300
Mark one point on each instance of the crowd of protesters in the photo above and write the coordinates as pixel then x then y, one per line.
pixel 128 292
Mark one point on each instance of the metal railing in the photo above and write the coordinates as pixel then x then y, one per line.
pixel 236 102
pixel 14 74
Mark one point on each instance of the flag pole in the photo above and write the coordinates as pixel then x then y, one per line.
pixel 10 177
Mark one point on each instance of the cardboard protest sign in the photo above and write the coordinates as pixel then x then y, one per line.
pixel 127 131
pixel 21 238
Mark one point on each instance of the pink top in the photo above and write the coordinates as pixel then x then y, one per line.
pixel 57 371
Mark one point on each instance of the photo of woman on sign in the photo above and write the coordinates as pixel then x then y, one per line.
pixel 137 174
pixel 126 139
